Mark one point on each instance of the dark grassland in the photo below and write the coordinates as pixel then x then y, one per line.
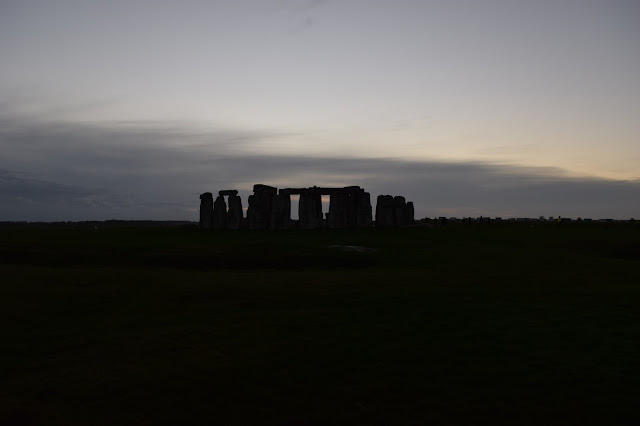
pixel 503 323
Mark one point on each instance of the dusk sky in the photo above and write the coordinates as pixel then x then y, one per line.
pixel 130 109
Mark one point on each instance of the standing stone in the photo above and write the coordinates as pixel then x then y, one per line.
pixel 338 216
pixel 251 212
pixel 234 214
pixel 259 211
pixel 410 213
pixel 310 211
pixel 206 210
pixel 399 211
pixel 220 213
pixel 362 209
pixel 280 211
pixel 353 202
pixel 352 208
pixel 384 211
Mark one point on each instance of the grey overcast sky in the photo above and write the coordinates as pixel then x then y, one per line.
pixel 129 109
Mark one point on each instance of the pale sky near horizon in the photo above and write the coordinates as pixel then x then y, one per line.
pixel 538 88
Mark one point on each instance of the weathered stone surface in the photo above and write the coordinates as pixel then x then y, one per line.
pixel 280 212
pixel 265 188
pixel 206 210
pixel 399 211
pixel 234 213
pixel 219 213
pixel 228 192
pixel 384 211
pixel 310 211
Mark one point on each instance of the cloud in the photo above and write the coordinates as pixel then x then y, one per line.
pixel 302 13
pixel 299 6
pixel 507 149
pixel 15 185
pixel 55 170
pixel 303 26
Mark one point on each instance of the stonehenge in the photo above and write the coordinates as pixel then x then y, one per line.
pixel 270 208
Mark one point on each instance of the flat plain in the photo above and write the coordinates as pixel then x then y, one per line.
pixel 507 323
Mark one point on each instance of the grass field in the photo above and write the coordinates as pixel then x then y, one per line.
pixel 460 324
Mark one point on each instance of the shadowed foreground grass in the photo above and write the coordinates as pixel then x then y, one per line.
pixel 507 323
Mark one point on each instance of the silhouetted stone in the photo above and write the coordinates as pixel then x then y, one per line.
pixel 352 199
pixel 339 210
pixel 384 211
pixel 293 191
pixel 410 213
pixel 280 211
pixel 254 218
pixel 319 190
pixel 251 212
pixel 399 211
pixel 265 188
pixel 363 213
pixel 234 214
pixel 310 211
pixel 219 213
pixel 350 206
pixel 206 210
pixel 260 205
